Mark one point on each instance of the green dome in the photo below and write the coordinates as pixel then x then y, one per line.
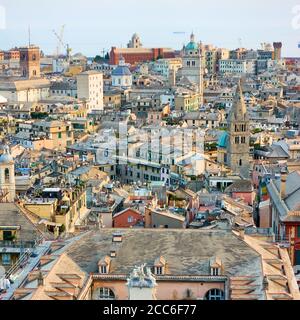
pixel 223 141
pixel 192 46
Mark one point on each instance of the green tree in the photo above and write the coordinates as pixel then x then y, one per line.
pixel 97 59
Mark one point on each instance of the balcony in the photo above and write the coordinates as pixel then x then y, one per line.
pixel 16 244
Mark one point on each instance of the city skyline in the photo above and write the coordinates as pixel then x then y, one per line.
pixel 94 26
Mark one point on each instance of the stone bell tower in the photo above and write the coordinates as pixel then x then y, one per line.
pixel 7 177
pixel 30 62
pixel 238 148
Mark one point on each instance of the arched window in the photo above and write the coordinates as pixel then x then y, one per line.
pixel 6 175
pixel 214 294
pixel 241 163
pixel 104 294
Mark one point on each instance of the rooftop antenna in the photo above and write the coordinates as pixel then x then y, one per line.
pixel 29 36
pixel 240 42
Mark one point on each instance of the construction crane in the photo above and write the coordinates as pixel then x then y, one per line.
pixel 61 42
pixel 60 39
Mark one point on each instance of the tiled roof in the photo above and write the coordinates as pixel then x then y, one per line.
pixel 11 216
pixel 187 253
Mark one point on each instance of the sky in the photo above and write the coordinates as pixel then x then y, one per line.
pixel 95 25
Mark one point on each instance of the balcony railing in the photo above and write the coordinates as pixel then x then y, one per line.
pixel 17 244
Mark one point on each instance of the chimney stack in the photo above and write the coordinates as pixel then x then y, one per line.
pixel 283 184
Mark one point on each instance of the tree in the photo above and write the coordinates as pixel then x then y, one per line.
pixel 97 59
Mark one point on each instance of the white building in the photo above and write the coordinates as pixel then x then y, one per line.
pixel 60 65
pixel 33 90
pixel 163 66
pixel 90 88
pixel 233 66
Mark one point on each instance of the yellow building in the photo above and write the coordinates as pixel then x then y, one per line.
pixel 112 99
pixel 62 213
pixel 61 133
pixel 186 102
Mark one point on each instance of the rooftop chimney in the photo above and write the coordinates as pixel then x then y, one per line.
pixel 113 253
pixel 283 184
pixel 117 237
pixel 40 279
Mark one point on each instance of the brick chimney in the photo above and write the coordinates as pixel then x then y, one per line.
pixel 283 184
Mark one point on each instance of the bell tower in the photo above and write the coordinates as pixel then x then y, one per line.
pixel 30 62
pixel 239 136
pixel 192 67
pixel 7 177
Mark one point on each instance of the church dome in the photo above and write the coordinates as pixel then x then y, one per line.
pixel 191 46
pixel 6 158
pixel 223 140
pixel 121 71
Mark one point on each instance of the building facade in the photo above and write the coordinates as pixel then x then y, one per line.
pixel 90 88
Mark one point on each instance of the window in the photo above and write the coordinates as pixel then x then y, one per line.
pixel 7 235
pixel 6 175
pixel 59 135
pixel 214 294
pixel 243 140
pixel 130 219
pixel 158 271
pixel 6 259
pixel 105 294
pixel 103 269
pixel 241 163
pixel 215 271
pixel 237 140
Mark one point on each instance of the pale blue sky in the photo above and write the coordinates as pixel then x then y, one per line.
pixel 92 25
